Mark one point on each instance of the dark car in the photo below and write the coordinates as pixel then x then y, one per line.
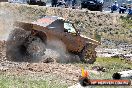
pixel 36 2
pixel 93 5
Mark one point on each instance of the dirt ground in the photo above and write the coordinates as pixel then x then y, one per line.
pixel 67 72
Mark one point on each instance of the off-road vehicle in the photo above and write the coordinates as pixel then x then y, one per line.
pixel 31 39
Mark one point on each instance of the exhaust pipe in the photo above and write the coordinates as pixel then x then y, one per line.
pixel 123 75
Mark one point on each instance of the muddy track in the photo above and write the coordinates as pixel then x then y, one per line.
pixel 67 72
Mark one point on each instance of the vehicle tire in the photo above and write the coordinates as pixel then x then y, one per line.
pixel 20 46
pixel 100 8
pixel 88 54
pixel 15 50
pixel 35 47
pixel 82 6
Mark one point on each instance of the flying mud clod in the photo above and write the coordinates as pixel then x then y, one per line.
pixel 31 39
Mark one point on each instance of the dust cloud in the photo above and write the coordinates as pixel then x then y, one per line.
pixel 57 50
pixel 6 23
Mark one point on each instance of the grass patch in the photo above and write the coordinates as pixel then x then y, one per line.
pixel 25 82
pixel 127 22
pixel 112 65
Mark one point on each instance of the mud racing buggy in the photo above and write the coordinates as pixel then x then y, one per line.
pixel 93 5
pixel 31 39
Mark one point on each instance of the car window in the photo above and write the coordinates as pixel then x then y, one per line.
pixel 69 27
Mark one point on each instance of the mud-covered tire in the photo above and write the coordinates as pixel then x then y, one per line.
pixel 36 47
pixel 100 8
pixel 15 50
pixel 88 54
pixel 20 46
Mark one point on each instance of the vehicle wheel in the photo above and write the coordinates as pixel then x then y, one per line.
pixel 88 54
pixel 15 50
pixel 82 6
pixel 100 8
pixel 35 47
pixel 23 47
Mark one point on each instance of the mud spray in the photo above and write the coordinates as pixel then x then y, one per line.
pixel 55 50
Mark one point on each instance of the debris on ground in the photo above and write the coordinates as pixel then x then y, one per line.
pixel 99 68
